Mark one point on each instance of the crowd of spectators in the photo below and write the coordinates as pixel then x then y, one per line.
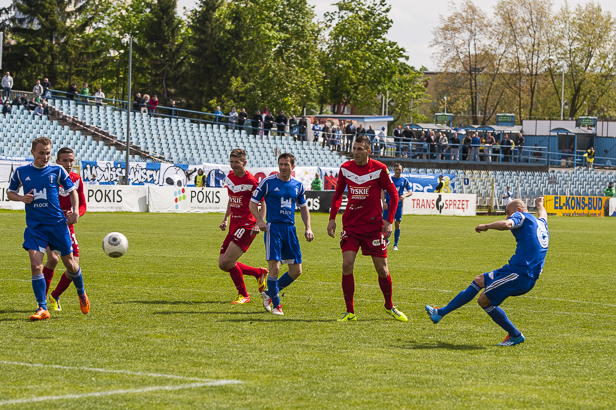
pixel 36 104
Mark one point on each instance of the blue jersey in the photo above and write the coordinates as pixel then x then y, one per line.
pixel 44 184
pixel 401 184
pixel 533 238
pixel 280 198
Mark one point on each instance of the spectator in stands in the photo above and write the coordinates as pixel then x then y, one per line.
pixel 488 147
pixel 506 148
pixel 433 141
pixel 455 147
pixel 241 118
pixel 350 136
pixel 268 123
pixel 233 115
pixel 338 139
pixel 256 122
pixel 507 197
pixel 303 129
pixel 173 111
pixel 496 151
pixel 45 108
pixel 407 139
pixel 200 179
pixel 466 146
pixel 590 157
pixel 520 144
pixel 325 134
pixel 218 115
pixel 98 97
pixel 32 104
pixel 72 92
pixel 475 143
pixel 293 129
pixel 317 183
pixel 37 91
pixel 383 140
pixel 609 191
pixel 371 135
pixel 7 85
pixel 39 110
pixel 316 131
pixel 152 104
pixel 145 103
pixel 281 123
pixel 137 102
pixel 397 134
pixel 443 145
pixel 17 101
pixel 6 108
pixel 85 92
pixel 481 148
pixel 46 88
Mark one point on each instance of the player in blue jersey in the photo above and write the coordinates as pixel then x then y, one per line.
pixel 402 184
pixel 46 223
pixel 514 279
pixel 281 192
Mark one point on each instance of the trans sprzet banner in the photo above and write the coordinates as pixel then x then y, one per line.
pixel 563 205
pixel 440 204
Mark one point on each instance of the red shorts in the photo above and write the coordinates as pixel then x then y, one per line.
pixel 371 241
pixel 241 236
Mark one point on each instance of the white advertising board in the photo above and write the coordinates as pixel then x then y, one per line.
pixel 4 200
pixel 187 199
pixel 116 198
pixel 440 204
pixel 612 207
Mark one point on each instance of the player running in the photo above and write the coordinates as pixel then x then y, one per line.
pixel 401 184
pixel 281 192
pixel 514 279
pixel 46 224
pixel 362 222
pixel 66 158
pixel 242 229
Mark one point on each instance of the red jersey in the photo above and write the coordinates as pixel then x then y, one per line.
pixel 240 193
pixel 65 198
pixel 365 183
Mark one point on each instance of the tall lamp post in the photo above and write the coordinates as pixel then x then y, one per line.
pixel 128 38
pixel 445 104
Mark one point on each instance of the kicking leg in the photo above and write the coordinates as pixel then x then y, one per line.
pixel 460 300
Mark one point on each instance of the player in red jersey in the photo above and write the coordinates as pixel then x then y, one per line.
pixel 66 158
pixel 242 228
pixel 362 222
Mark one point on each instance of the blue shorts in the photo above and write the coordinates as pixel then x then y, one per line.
pixel 504 282
pixel 281 244
pixel 398 216
pixel 57 237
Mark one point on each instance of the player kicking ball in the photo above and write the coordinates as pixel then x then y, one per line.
pixel 514 279
pixel 46 224
pixel 281 192
pixel 242 229
pixel 402 184
pixel 362 223
pixel 65 158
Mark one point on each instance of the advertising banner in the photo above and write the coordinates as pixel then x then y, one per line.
pixel 116 198
pixel 428 182
pixel 612 207
pixel 9 164
pixel 4 200
pixel 187 199
pixel 575 205
pixel 319 201
pixel 440 204
pixel 216 174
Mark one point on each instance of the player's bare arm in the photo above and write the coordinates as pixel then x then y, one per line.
pixel 505 225
pixel 254 209
pixel 306 218
pixel 541 212
pixel 223 225
pixel 72 216
pixel 409 193
pixel 383 201
pixel 387 229
pixel 14 196
pixel 262 210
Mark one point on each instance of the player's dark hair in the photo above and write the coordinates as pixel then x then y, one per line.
pixel 238 153
pixel 397 164
pixel 363 139
pixel 64 150
pixel 40 140
pixel 288 156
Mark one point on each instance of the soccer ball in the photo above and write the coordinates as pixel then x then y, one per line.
pixel 115 244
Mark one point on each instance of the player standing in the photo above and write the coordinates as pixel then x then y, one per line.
pixel 514 279
pixel 242 229
pixel 362 222
pixel 401 184
pixel 46 224
pixel 281 192
pixel 66 158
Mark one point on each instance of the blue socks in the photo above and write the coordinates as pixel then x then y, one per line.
pixel 77 281
pixel 274 286
pixel 499 316
pixel 40 288
pixel 462 299
pixel 396 237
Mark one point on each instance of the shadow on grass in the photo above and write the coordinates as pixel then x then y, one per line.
pixel 288 319
pixel 167 312
pixel 412 345
pixel 15 311
pixel 171 302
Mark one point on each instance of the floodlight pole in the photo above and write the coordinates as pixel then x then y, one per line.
pixel 562 97
pixel 129 107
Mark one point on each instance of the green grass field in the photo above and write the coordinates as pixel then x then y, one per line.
pixel 163 334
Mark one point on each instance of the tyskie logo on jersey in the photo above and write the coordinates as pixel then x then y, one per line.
pixel 359 193
pixel 235 201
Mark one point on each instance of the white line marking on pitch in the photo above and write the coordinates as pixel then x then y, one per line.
pixel 115 392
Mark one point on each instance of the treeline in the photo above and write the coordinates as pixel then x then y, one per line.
pixel 512 59
pixel 242 53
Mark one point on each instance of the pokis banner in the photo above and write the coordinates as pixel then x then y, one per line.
pixel 187 199
pixel 575 205
pixel 116 198
pixel 440 204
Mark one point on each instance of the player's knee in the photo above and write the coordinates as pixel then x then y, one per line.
pixel 36 266
pixel 479 280
pixel 347 266
pixel 483 301
pixel 224 264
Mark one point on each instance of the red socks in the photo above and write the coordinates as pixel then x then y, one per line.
pixel 386 288
pixel 249 270
pixel 48 274
pixel 238 280
pixel 64 283
pixel 348 288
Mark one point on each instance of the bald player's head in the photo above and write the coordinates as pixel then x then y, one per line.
pixel 515 206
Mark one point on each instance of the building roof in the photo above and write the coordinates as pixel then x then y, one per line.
pixel 430 127
pixel 358 118
pixel 563 130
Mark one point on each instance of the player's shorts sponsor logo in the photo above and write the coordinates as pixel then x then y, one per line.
pixel 359 193
pixel 203 196
pixel 376 242
pixel 105 196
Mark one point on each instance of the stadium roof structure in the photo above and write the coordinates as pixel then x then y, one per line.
pixel 430 127
pixel 574 131
pixel 358 118
pixel 493 128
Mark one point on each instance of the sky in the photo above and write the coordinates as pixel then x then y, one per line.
pixel 413 21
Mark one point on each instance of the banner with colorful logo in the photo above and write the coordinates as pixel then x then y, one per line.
pixel 440 204
pixel 575 205
pixel 187 199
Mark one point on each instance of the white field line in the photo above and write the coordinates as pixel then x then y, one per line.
pixel 116 392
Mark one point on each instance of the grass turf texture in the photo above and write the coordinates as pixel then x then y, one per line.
pixel 165 308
